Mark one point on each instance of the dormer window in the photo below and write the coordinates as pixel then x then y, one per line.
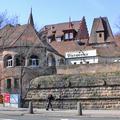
pixel 58 39
pixel 71 35
pixel 68 36
pixel 49 40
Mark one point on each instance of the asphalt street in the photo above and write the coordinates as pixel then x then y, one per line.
pixel 38 117
pixel 42 114
pixel 52 118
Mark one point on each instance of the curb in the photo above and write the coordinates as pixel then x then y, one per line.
pixel 62 113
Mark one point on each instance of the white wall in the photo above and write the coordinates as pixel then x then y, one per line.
pixel 82 57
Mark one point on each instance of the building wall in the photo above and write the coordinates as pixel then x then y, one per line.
pixel 26 72
pixel 84 60
pixel 88 68
pixel 82 57
pixel 100 37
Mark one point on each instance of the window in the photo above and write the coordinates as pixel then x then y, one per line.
pixel 8 86
pixel 58 39
pixel 61 62
pixel 87 62
pixel 34 60
pixel 66 36
pixel 17 61
pixel 9 61
pixel 49 40
pixel 100 35
pixel 20 61
pixel 51 60
pixel 16 83
pixel 74 63
pixel 69 35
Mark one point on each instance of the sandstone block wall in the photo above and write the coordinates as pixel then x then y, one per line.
pixel 100 91
pixel 88 68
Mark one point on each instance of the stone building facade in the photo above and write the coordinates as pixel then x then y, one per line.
pixel 23 56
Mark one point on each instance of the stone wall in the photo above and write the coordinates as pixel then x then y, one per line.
pixel 88 68
pixel 96 91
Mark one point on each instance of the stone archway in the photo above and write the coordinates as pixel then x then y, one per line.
pixel 51 60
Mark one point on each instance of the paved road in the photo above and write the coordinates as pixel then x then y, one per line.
pixel 42 114
pixel 38 117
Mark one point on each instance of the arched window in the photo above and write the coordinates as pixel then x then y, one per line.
pixel 8 61
pixel 16 83
pixel 19 60
pixel 8 83
pixel 61 62
pixel 34 61
pixel 51 60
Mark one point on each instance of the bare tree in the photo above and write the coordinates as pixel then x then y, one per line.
pixel 4 19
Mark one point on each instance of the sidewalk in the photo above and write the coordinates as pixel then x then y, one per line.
pixel 59 112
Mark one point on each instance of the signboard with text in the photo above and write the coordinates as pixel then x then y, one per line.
pixel 79 54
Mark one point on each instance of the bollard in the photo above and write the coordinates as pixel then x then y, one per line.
pixel 79 108
pixel 30 107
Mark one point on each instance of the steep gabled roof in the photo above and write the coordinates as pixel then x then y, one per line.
pixel 101 24
pixel 83 31
pixel 58 28
pixel 22 35
pixel 28 37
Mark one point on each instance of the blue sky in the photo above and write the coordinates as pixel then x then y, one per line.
pixel 56 11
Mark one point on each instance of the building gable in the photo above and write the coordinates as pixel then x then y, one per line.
pixel 101 26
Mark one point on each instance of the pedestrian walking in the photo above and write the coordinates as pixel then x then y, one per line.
pixel 50 98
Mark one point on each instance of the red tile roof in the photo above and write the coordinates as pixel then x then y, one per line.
pixel 19 36
pixel 58 29
pixel 68 46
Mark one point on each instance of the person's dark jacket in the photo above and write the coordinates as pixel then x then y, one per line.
pixel 50 97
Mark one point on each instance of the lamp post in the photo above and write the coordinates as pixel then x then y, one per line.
pixel 21 104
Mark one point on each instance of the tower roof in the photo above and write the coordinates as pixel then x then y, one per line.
pixel 30 20
pixel 83 31
pixel 101 24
